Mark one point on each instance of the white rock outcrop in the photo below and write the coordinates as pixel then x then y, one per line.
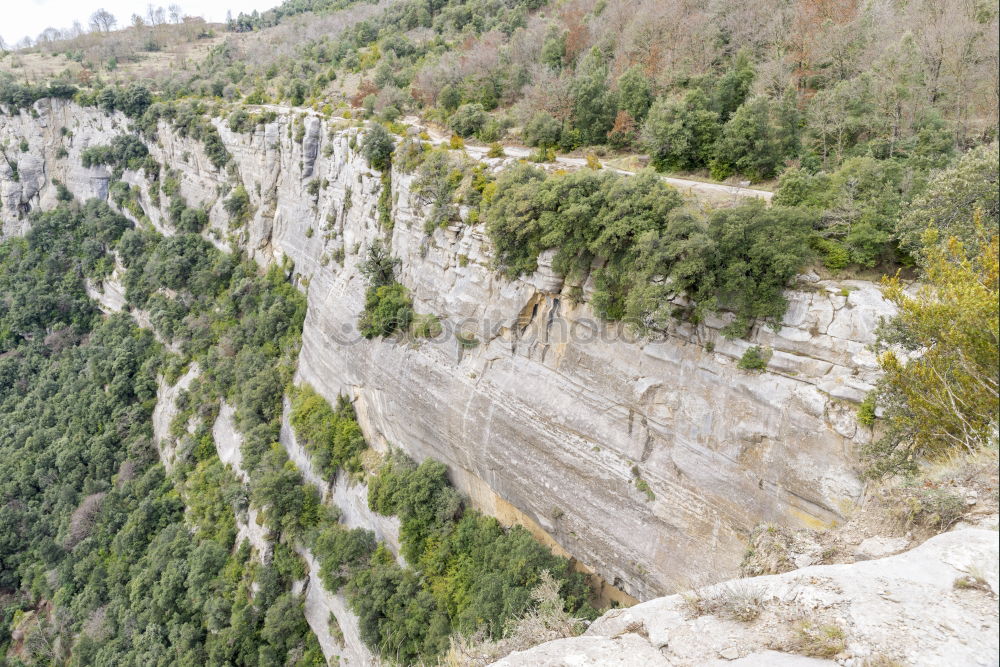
pixel 905 609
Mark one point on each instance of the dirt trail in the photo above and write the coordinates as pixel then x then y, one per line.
pixel 715 192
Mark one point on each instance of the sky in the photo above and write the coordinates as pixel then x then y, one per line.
pixel 20 18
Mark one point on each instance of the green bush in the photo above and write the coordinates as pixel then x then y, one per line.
pixel 426 326
pixel 377 147
pixel 387 309
pixel 470 568
pixel 437 179
pixel 332 437
pixel 125 150
pixel 237 205
pixel 680 132
pixel 468 119
pixel 835 255
pixel 542 130
pixel 755 358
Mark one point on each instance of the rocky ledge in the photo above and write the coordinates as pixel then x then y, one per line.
pixel 935 605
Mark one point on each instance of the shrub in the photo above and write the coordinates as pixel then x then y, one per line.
pixel 496 150
pixel 933 509
pixel 834 254
pixel 680 133
pixel 237 206
pixel 943 401
pixel 387 309
pixel 426 326
pixel 125 150
pixel 755 358
pixel 739 601
pixel 468 119
pixel 331 436
pixel 971 183
pixel 866 411
pixel 437 179
pixel 643 486
pixel 192 220
pixel 819 640
pixel 542 130
pixel 377 147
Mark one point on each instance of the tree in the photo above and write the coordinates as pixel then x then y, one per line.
pixel 379 267
pixel 635 93
pixel 593 103
pixel 542 130
pixel 971 183
pixel 757 250
pixel 450 97
pixel 387 308
pixel 103 21
pixel 734 86
pixel 749 143
pixel 377 147
pixel 680 133
pixel 134 100
pixel 943 399
pixel 468 119
pixel 623 132
pixel 554 49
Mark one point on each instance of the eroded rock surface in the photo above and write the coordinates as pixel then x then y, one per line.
pixel 905 609
pixel 554 412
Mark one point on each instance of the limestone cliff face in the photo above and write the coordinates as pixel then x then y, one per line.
pixel 553 416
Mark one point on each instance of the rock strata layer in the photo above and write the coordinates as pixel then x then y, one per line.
pixel 551 418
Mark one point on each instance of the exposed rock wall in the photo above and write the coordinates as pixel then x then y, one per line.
pixel 554 412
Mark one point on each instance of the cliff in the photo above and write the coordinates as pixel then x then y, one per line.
pixel 554 416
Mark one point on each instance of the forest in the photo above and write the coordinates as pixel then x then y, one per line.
pixel 98 562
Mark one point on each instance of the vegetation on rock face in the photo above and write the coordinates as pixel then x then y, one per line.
pixel 388 307
pixel 882 161
pixel 331 436
pixel 125 150
pixel 940 399
pixel 469 571
pixel 94 541
pixel 648 249
pixel 243 330
pixel 377 147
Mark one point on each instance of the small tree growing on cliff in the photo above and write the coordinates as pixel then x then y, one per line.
pixel 388 306
pixel 377 147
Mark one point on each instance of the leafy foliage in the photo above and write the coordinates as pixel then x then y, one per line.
pixel 377 147
pixel 125 150
pixel 969 184
pixel 331 436
pixel 648 248
pixel 469 570
pixel 388 306
pixel 89 521
pixel 943 398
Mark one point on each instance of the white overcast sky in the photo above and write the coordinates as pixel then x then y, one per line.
pixel 20 18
